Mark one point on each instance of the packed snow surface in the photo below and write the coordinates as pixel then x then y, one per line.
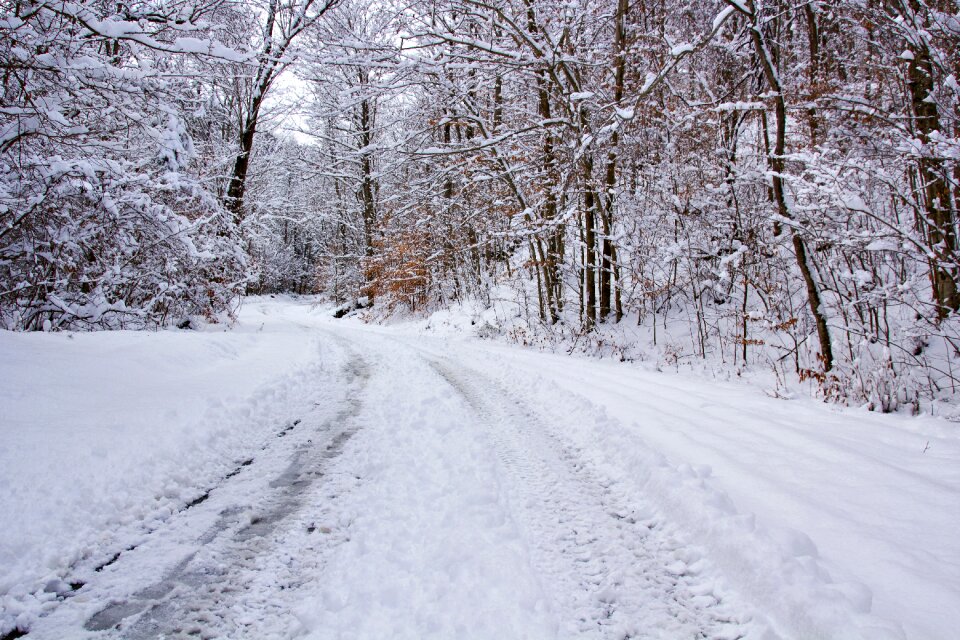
pixel 299 476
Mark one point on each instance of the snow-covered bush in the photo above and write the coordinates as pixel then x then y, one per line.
pixel 102 222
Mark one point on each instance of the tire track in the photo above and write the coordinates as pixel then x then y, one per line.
pixel 611 567
pixel 198 597
pixel 229 553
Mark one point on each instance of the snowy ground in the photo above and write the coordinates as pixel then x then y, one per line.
pixel 305 477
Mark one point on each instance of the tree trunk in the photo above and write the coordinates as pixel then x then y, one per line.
pixel 777 168
pixel 608 271
pixel 238 178
pixel 934 188
pixel 590 242
pixel 367 180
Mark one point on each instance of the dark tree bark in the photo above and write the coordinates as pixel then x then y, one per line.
pixel 270 64
pixel 368 198
pixel 590 242
pixel 939 217
pixel 777 169
pixel 609 274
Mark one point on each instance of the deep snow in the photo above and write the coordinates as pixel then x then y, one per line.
pixel 430 486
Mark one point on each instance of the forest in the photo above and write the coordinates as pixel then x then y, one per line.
pixel 774 181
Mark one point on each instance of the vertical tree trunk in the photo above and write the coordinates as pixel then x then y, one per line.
pixel 934 187
pixel 590 242
pixel 554 246
pixel 238 177
pixel 552 254
pixel 608 271
pixel 367 179
pixel 813 70
pixel 250 117
pixel 282 24
pixel 606 267
pixel 777 168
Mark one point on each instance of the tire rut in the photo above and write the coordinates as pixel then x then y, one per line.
pixel 196 598
pixel 608 563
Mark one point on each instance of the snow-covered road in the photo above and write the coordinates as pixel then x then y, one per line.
pixel 411 487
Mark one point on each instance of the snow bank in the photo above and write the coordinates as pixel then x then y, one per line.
pixel 132 426
pixel 840 523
